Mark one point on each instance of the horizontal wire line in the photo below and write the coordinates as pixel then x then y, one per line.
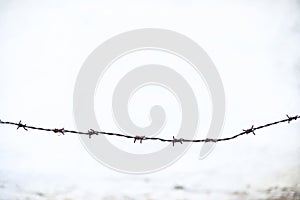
pixel 141 138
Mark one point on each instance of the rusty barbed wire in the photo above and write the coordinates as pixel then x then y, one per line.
pixel 140 138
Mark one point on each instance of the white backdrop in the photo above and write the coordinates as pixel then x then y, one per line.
pixel 254 45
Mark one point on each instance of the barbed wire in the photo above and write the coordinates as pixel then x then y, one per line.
pixel 140 138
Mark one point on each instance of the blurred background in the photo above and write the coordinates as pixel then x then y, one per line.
pixel 255 47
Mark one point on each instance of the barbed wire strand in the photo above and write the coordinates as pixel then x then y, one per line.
pixel 174 140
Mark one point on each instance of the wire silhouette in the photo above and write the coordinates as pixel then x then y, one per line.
pixel 140 138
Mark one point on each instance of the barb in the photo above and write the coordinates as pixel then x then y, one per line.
pixel 177 140
pixel 20 125
pixel 292 118
pixel 250 130
pixel 92 132
pixel 59 130
pixel 141 138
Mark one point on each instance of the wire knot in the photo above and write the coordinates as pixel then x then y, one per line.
pixel 177 140
pixel 292 118
pixel 139 138
pixel 62 131
pixel 250 130
pixel 20 125
pixel 92 132
pixel 210 140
